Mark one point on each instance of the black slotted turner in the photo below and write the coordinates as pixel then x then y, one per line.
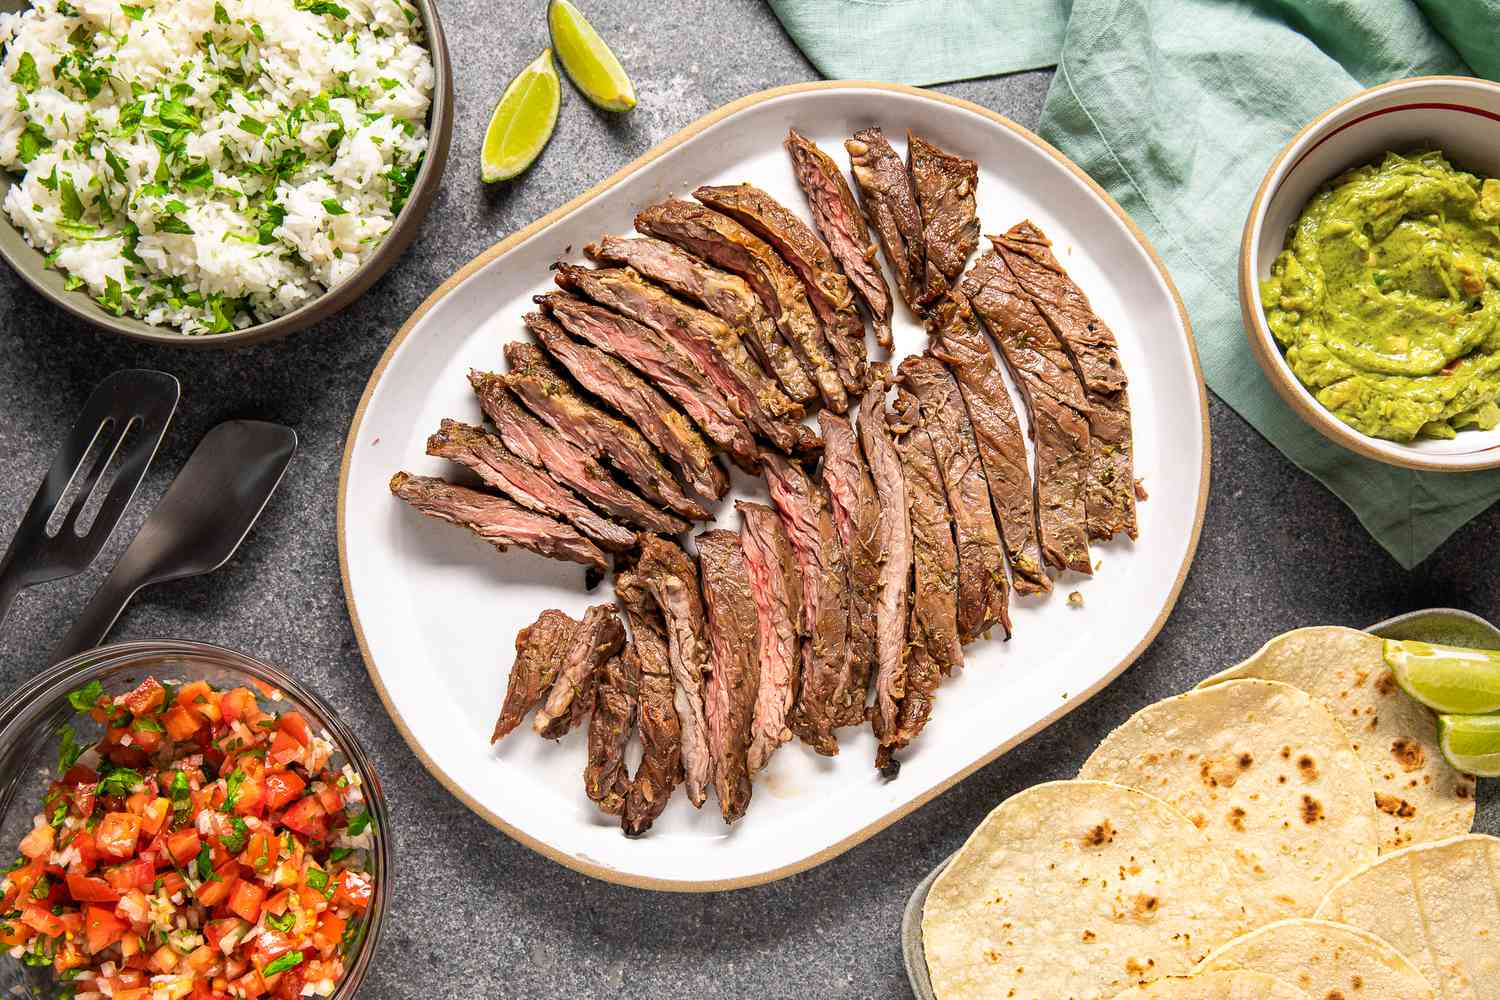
pixel 122 423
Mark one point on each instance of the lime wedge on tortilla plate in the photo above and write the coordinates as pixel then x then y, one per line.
pixel 1449 679
pixel 1471 743
pixel 591 65
pixel 523 121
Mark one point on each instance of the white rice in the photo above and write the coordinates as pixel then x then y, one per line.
pixel 237 159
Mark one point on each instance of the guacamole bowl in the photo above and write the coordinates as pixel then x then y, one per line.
pixel 1373 312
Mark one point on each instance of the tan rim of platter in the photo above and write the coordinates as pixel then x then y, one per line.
pixel 833 850
pixel 1277 372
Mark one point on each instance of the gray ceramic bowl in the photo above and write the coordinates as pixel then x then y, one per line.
pixel 1444 625
pixel 31 266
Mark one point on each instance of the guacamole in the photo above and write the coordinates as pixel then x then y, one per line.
pixel 1386 299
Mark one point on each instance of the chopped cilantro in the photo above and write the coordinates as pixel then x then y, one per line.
pixel 131 11
pixel 290 960
pixel 26 77
pixel 120 781
pixel 388 83
pixel 174 114
pixel 204 865
pixel 199 175
pixel 221 16
pixel 339 853
pixel 70 751
pixel 317 879
pixel 86 697
pixel 232 785
pixel 234 840
pixel 323 7
pixel 283 923
pixel 32 142
pixel 72 205
pixel 173 224
pixel 116 166
pixel 72 283
pixel 252 126
pixel 358 822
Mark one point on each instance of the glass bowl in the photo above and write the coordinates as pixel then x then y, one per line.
pixel 29 723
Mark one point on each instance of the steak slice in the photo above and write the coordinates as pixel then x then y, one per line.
pixel 776 586
pixel 729 701
pixel 934 606
pixel 527 438
pixel 606 778
pixel 856 516
pixel 1055 405
pixel 890 205
pixel 532 488
pixel 828 290
pixel 537 384
pixel 660 769
pixel 946 186
pixel 724 243
pixel 726 295
pixel 826 693
pixel 658 421
pixel 895 545
pixel 1091 346
pixel 842 225
pixel 961 345
pixel 672 580
pixel 497 520
pixel 667 368
pixel 540 647
pixel 704 337
pixel 981 558
pixel 599 638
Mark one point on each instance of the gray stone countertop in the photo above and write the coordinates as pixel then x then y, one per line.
pixel 477 915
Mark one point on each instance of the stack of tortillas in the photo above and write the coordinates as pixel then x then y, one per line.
pixel 1287 831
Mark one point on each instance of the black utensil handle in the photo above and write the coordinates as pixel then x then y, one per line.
pixel 97 618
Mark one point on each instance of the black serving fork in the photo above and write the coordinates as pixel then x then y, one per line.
pixel 121 426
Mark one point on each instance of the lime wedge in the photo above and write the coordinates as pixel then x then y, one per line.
pixel 1446 678
pixel 1471 743
pixel 591 66
pixel 523 121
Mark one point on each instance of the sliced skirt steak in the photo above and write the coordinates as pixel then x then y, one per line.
pixel 895 545
pixel 856 515
pixel 660 769
pixel 729 698
pixel 946 187
pixel 890 205
pixel 776 586
pixel 599 638
pixel 540 648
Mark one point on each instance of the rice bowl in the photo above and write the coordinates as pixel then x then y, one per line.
pixel 212 166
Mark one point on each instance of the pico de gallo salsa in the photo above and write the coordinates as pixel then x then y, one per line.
pixel 204 848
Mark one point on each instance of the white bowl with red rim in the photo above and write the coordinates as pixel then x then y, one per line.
pixel 1459 116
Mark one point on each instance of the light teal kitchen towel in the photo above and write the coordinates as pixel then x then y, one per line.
pixel 1177 107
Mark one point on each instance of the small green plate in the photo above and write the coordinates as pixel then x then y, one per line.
pixel 1444 625
pixel 30 264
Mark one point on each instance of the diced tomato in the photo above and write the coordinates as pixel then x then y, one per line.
pixel 295 726
pixel 331 797
pixel 284 749
pixel 137 874
pixel 180 722
pixel 42 920
pixel 269 946
pixel 146 698
pixel 329 932
pixel 148 740
pixel 91 889
pixel 197 697
pixel 139 993
pixel 163 959
pixel 117 834
pixel 38 843
pixel 22 881
pixel 234 704
pixel 252 797
pixel 154 815
pixel 132 756
pixel 13 932
pixel 278 903
pixel 307 817
pixel 183 845
pixel 260 853
pixel 282 787
pixel 171 882
pixel 68 956
pixel 245 900
pixel 81 795
pixel 133 907
pixel 216 890
pixel 250 986
pixel 290 985
pixel 353 888
pixel 216 931
pixel 202 958
pixel 101 928
pixel 88 853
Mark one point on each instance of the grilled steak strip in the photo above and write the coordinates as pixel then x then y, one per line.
pixel 606 779
pixel 599 638
pixel 497 520
pixel 724 243
pixel 1054 402
pixel 826 694
pixel 842 225
pixel 856 516
pixel 959 343
pixel 660 769
pixel 946 186
pixel 895 547
pixel 527 438
pixel 704 337
pixel 890 205
pixel 658 421
pixel 934 620
pixel 537 384
pixel 540 648
pixel 1091 346
pixel 726 295
pixel 667 368
pixel 672 579
pixel 981 558
pixel 484 454
pixel 776 586
pixel 729 700
pixel 828 290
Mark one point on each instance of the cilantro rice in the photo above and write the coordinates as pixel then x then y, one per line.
pixel 211 165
